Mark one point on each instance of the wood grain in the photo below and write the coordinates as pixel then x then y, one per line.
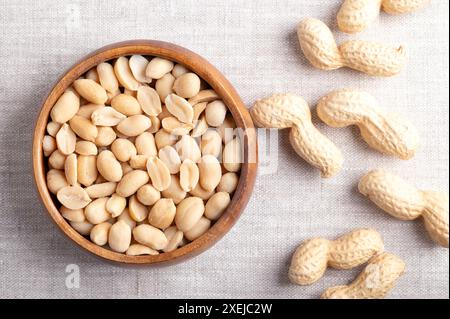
pixel 225 90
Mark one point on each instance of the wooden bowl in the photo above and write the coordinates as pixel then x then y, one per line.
pixel 225 90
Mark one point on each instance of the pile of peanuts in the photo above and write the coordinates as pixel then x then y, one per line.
pixel 143 156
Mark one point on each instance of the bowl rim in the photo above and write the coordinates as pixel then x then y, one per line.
pixel 227 93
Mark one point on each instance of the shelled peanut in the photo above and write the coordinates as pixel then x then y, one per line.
pixel 142 156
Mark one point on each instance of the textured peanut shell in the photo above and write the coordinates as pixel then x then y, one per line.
pixel 312 258
pixel 375 281
pixel 373 58
pixel 404 201
pixel 356 15
pixel 318 44
pixel 403 6
pixel 320 48
pixel 291 111
pixel 386 132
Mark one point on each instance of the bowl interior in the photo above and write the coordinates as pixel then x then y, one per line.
pixel 227 93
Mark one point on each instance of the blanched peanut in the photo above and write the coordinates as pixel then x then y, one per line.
pixel 99 233
pixel 159 173
pixel 189 175
pixel 96 212
pixel 73 197
pixel 199 229
pixel 66 140
pixel 180 108
pixel 126 105
pixel 107 116
pixel 138 250
pixel 148 195
pixel 215 113
pixel 136 209
pixel 178 70
pixel 83 128
pixel 87 169
pixel 119 237
pixel 138 65
pixel 84 227
pixel 124 74
pixel 174 237
pixel 90 90
pixel 107 77
pixel 162 213
pixel 85 148
pixel 164 113
pixel 145 144
pixel 204 96
pixel 53 128
pixel 157 67
pixel 216 205
pixel 164 86
pixel 150 236
pixel 232 155
pixel 48 145
pixel 87 110
pixel 198 191
pixel 139 162
pixel 56 180
pixel 228 183
pixel 109 167
pixel 131 182
pixel 92 75
pixel 57 160
pixel 123 149
pixel 189 212
pixel 156 124
pixel 163 138
pixel 65 108
pixel 70 169
pixel 100 179
pixel 115 205
pixel 210 172
pixel 105 137
pixel 101 189
pixel 134 165
pixel 125 216
pixel 187 147
pixel 134 125
pixel 171 158
pixel 200 127
pixel 227 129
pixel 73 215
pixel 211 143
pixel 198 110
pixel 187 85
pixel 175 127
pixel 175 192
pixel 149 100
pixel 126 168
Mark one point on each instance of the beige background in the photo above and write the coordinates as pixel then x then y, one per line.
pixel 254 44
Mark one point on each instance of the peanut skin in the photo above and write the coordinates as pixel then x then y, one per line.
pixel 356 15
pixel 374 282
pixel 320 48
pixel 383 131
pixel 403 201
pixel 312 258
pixel 291 111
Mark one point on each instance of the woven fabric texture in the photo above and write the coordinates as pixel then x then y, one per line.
pixel 254 44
